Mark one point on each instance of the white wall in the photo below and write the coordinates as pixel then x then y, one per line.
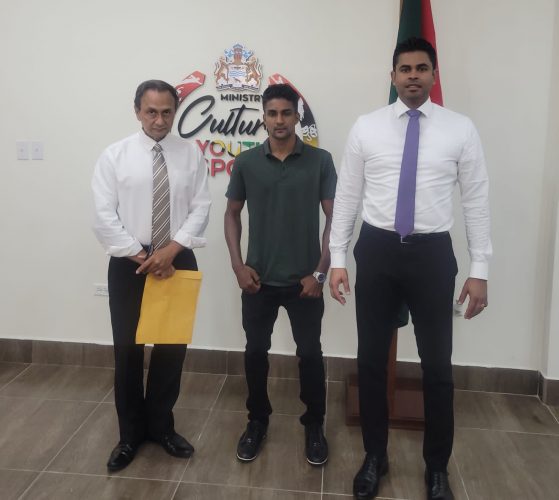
pixel 69 73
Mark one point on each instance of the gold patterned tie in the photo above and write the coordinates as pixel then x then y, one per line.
pixel 161 213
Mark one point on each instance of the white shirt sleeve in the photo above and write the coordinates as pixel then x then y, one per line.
pixel 474 188
pixel 349 195
pixel 190 235
pixel 107 225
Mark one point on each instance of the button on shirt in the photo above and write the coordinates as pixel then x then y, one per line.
pixel 123 194
pixel 450 152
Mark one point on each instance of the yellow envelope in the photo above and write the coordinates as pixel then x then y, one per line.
pixel 168 309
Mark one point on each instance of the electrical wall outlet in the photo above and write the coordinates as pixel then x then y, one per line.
pixel 101 289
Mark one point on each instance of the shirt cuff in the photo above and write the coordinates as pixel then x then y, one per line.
pixel 130 251
pixel 337 260
pixel 189 241
pixel 479 270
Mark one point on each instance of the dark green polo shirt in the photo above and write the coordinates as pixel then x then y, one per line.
pixel 283 200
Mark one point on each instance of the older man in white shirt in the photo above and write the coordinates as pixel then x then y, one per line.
pixel 151 209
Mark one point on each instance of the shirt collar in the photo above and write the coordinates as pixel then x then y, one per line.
pixel 147 142
pixel 400 108
pixel 297 150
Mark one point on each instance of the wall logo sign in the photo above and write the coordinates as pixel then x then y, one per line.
pixel 238 70
pixel 228 119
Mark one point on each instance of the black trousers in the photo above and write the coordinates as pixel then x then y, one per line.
pixel 260 312
pixel 151 415
pixel 420 272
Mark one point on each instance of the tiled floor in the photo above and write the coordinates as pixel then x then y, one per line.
pixel 58 425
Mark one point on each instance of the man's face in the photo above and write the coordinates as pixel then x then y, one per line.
pixel 156 113
pixel 413 78
pixel 280 119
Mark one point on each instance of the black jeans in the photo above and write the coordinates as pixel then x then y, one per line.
pixel 420 273
pixel 260 311
pixel 151 415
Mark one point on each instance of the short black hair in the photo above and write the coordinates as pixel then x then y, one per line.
pixel 157 85
pixel 280 91
pixel 414 44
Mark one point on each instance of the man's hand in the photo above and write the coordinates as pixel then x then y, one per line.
pixel 161 259
pixel 477 290
pixel 338 276
pixel 139 258
pixel 248 279
pixel 312 289
pixel 165 273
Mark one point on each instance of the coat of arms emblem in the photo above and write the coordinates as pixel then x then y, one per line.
pixel 238 70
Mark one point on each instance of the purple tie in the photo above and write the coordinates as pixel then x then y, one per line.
pixel 405 206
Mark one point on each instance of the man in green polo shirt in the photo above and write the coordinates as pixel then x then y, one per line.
pixel 284 182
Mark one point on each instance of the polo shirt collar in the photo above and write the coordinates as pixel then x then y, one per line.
pixel 297 150
pixel 400 108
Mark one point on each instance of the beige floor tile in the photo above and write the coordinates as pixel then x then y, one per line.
pixel 188 491
pixel 283 394
pixel 233 394
pixel 507 412
pixel 89 450
pixel 555 411
pixel 76 383
pixel 51 486
pixel 199 390
pixel 13 483
pixel 32 431
pixel 498 465
pixel 280 465
pixel 8 371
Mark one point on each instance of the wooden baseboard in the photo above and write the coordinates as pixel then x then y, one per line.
pixel 474 378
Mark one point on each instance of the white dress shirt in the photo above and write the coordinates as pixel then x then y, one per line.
pixel 123 194
pixel 449 152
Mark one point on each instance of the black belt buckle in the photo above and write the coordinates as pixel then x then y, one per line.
pixel 402 238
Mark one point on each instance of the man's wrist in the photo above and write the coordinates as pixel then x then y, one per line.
pixel 175 246
pixel 237 266
pixel 319 276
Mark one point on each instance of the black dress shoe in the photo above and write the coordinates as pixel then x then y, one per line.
pixel 316 446
pixel 251 441
pixel 438 487
pixel 174 444
pixel 365 484
pixel 121 456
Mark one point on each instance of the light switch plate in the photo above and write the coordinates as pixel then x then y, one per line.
pixel 22 150
pixel 37 150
